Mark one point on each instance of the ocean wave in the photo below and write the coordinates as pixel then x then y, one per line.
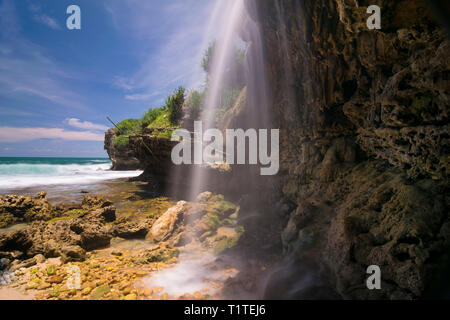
pixel 24 175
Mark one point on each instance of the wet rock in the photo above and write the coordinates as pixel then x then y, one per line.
pixel 159 253
pixel 95 202
pixel 39 258
pixel 127 228
pixel 122 158
pixel 18 264
pixel 89 231
pixel 15 209
pixel 364 158
pixel 99 292
pixel 108 214
pixel 72 253
pixel 164 227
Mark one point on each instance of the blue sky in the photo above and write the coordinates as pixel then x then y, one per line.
pixel 57 85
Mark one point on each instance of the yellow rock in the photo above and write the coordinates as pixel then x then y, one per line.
pixel 126 291
pixel 198 296
pixel 55 279
pixel 164 296
pixel 86 291
pixel 148 292
pixel 73 292
pixel 131 296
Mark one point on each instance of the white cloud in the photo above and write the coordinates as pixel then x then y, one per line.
pixel 48 21
pixel 43 18
pixel 123 83
pixel 77 123
pixel 138 96
pixel 11 134
pixel 182 31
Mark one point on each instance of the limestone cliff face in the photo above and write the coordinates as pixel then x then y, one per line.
pixel 364 141
pixel 123 159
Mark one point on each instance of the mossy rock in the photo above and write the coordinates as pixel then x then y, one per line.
pixel 99 292
pixel 213 221
pixel 73 214
pixel 222 209
pixel 158 255
pixel 51 270
pixel 6 220
pixel 226 243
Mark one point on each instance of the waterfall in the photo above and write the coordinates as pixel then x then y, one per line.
pixel 226 41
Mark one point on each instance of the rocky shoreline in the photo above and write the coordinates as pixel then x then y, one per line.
pixel 114 253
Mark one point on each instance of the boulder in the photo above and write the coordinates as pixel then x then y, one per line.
pixel 15 209
pixel 68 238
pixel 165 226
pixel 128 229
pixel 72 253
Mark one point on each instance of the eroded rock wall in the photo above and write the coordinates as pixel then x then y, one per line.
pixel 123 159
pixel 364 140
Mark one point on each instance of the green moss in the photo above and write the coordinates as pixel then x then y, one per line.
pixel 228 222
pixel 121 142
pixel 159 255
pixel 51 270
pixel 129 127
pixel 226 244
pixel 153 208
pixel 214 222
pixel 162 121
pixel 99 292
pixel 55 292
pixel 73 214
pixel 163 134
pixel 223 208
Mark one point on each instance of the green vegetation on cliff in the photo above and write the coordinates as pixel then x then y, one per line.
pixel 166 116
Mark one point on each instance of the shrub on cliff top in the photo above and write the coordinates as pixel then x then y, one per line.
pixel 121 142
pixel 174 104
pixel 152 114
pixel 129 127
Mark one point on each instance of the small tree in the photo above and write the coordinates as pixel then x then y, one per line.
pixel 208 57
pixel 174 104
pixel 196 104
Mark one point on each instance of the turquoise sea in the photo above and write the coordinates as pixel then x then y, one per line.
pixel 20 173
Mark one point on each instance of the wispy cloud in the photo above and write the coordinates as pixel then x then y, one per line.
pixel 182 30
pixel 43 18
pixel 77 123
pixel 140 97
pixel 12 134
pixel 48 21
pixel 26 68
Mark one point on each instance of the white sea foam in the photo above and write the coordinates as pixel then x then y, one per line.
pixel 24 175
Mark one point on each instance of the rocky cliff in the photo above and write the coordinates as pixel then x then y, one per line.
pixel 364 144
pixel 123 159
